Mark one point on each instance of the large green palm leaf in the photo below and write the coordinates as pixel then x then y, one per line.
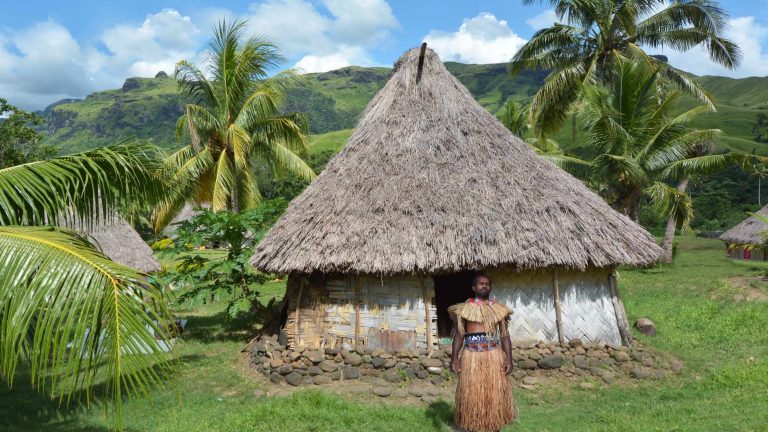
pixel 87 183
pixel 74 317
pixel 78 318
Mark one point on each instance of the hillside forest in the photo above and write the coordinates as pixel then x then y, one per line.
pixel 148 108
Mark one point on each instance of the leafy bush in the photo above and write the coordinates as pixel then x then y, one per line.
pixel 213 249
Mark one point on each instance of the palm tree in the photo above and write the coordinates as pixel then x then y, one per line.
pixel 514 117
pixel 234 119
pixel 642 144
pixel 72 316
pixel 581 48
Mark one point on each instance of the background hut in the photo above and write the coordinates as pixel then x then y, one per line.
pixel 745 239
pixel 429 189
pixel 186 213
pixel 117 239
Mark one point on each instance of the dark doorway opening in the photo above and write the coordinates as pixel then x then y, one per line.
pixel 449 290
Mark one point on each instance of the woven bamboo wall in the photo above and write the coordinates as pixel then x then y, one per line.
pixel 307 296
pixel 327 316
pixel 322 309
pixel 587 310
pixel 392 303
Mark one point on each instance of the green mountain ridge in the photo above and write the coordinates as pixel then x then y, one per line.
pixel 148 108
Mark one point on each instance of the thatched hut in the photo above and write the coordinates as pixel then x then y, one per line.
pixel 117 239
pixel 186 213
pixel 745 240
pixel 429 189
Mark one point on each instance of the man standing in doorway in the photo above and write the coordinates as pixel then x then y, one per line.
pixel 482 356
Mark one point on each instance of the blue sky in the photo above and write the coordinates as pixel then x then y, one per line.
pixel 50 50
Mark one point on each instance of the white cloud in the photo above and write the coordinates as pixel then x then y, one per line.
pixel 162 40
pixel 325 40
pixel 363 22
pixel 295 25
pixel 482 39
pixel 44 63
pixel 749 35
pixel 542 20
pixel 313 63
pixel 344 56
pixel 41 61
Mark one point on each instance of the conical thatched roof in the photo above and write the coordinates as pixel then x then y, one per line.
pixel 117 239
pixel 186 213
pixel 430 181
pixel 748 231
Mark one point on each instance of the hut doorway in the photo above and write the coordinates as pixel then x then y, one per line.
pixel 449 290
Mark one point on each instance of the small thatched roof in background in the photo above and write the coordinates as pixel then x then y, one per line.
pixel 187 212
pixel 748 231
pixel 430 181
pixel 117 239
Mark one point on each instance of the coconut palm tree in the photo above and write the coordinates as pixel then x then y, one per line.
pixel 514 117
pixel 581 48
pixel 234 119
pixel 643 144
pixel 70 315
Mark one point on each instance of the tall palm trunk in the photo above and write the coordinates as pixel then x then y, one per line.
pixel 669 232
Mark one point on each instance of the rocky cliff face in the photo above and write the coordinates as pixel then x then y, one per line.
pixel 146 108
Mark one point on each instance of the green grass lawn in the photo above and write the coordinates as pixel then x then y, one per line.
pixel 333 141
pixel 723 387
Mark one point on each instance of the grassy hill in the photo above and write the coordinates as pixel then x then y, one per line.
pixel 145 108
pixel 148 107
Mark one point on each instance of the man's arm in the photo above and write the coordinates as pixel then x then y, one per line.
pixel 458 341
pixel 507 345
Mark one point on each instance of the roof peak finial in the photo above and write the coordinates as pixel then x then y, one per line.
pixel 421 61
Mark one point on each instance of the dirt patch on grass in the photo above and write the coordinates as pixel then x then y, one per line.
pixel 744 289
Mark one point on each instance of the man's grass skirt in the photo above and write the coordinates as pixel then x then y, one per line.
pixel 484 400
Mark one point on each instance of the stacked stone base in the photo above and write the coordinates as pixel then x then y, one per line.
pixel 532 361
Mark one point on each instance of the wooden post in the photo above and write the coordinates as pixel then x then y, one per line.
pixel 421 61
pixel 621 314
pixel 357 283
pixel 298 310
pixel 558 308
pixel 427 317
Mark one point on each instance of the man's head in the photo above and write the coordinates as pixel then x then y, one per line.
pixel 481 285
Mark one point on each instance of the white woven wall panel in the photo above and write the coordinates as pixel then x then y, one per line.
pixel 587 308
pixel 529 294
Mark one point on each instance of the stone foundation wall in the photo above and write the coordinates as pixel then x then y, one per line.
pixel 574 359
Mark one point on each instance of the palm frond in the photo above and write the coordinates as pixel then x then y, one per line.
pixel 77 317
pixel 689 86
pixel 546 48
pixel 706 164
pixel 194 83
pixel 656 142
pixel 554 100
pixel 619 168
pixel 283 158
pixel 671 202
pixel 578 167
pixel 724 52
pixel 223 183
pixel 288 130
pixel 84 184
